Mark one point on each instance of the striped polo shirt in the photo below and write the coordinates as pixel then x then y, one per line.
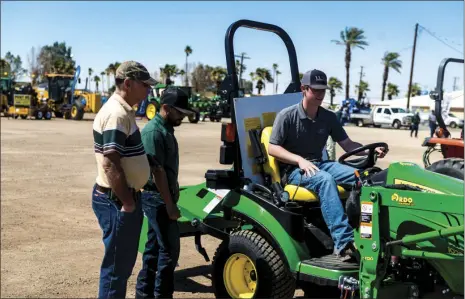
pixel 115 130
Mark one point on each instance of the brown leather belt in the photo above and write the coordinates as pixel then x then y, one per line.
pixel 102 189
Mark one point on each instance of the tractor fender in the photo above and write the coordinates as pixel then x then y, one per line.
pixel 282 231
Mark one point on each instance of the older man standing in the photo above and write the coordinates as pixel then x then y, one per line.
pixel 123 169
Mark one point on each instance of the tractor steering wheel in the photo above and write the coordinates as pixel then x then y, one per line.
pixel 363 162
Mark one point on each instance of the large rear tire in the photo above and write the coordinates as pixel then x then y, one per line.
pixel 453 167
pixel 247 266
pixel 196 117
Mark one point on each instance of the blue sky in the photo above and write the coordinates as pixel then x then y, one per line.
pixel 156 33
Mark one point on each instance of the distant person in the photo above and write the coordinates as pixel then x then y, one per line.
pixel 160 197
pixel 122 170
pixel 432 123
pixel 415 124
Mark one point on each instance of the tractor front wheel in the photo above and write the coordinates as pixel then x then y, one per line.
pixel 451 167
pixel 247 266
pixel 77 113
pixel 151 111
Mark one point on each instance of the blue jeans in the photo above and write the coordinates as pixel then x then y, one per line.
pixel 121 233
pixel 161 254
pixel 324 184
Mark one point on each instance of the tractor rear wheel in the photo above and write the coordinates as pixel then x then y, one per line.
pixel 77 113
pixel 247 266
pixel 151 111
pixel 451 167
pixel 196 117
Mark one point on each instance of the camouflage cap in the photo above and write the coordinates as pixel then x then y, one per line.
pixel 136 71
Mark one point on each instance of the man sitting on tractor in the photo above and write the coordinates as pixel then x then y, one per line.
pixel 298 138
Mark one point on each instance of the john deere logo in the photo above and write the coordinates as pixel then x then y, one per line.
pixel 402 200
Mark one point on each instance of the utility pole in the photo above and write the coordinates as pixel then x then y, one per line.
pixel 242 57
pixel 360 84
pixel 454 88
pixel 411 66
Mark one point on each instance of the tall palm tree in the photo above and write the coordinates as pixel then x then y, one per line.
pixel 278 72
pixel 90 70
pixel 275 70
pixel 188 51
pixel 416 90
pixel 102 74
pixel 392 90
pixel 168 71
pixel 96 80
pixel 262 75
pixel 334 84
pixel 351 37
pixel 390 61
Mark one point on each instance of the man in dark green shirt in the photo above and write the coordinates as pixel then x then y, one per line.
pixel 160 195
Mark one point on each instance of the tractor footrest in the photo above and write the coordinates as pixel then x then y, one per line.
pixel 331 262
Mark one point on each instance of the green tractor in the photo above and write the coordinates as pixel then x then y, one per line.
pixel 151 105
pixel 408 221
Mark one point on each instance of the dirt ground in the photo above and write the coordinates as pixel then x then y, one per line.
pixel 50 240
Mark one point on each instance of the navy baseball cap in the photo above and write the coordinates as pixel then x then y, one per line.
pixel 315 79
pixel 177 98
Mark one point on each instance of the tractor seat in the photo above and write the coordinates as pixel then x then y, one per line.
pixel 271 167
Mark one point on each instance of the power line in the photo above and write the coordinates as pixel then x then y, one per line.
pixel 433 35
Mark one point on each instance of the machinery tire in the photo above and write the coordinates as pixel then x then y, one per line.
pixel 274 280
pixel 396 124
pixel 77 113
pixel 453 125
pixel 150 111
pixel 196 117
pixel 453 167
pixel 48 115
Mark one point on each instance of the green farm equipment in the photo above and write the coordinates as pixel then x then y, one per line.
pixel 151 105
pixel 408 221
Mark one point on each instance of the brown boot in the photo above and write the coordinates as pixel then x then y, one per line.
pixel 349 254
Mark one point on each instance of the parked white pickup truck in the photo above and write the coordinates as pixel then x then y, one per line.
pixel 395 117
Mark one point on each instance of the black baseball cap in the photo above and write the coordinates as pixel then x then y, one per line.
pixel 176 98
pixel 315 79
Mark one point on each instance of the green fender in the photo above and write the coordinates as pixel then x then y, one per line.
pixel 293 251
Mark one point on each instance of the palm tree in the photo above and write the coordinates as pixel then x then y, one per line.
pixel 392 90
pixel 96 80
pixel 217 75
pixel 252 78
pixel 351 38
pixel 262 75
pixel 362 89
pixel 188 51
pixel 301 75
pixel 390 61
pixel 102 74
pixel 277 76
pixel 334 84
pixel 90 74
pixel 168 71
pixel 275 73
pixel 416 90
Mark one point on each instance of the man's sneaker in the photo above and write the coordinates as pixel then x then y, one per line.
pixel 349 254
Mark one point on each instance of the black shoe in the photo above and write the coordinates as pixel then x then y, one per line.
pixel 349 254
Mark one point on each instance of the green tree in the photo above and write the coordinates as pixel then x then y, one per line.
pixel 188 51
pixel 262 75
pixel 392 91
pixel 90 71
pixel 217 75
pixel 101 77
pixel 416 90
pixel 252 79
pixel 390 61
pixel 169 71
pixel 96 80
pixel 201 78
pixel 275 77
pixel 16 65
pixel 362 89
pixel 56 58
pixel 334 84
pixel 351 37
pixel 301 75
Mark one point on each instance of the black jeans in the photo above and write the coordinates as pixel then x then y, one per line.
pixel 159 260
pixel 414 128
pixel 432 128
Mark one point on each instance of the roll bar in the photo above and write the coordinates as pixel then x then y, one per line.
pixel 230 85
pixel 438 94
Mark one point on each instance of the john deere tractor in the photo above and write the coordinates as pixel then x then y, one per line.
pixel 407 221
pixel 151 105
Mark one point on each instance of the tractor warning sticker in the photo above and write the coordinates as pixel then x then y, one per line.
pixel 249 124
pixel 268 119
pixel 366 220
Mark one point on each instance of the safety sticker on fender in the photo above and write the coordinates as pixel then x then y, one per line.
pixel 366 231
pixel 212 204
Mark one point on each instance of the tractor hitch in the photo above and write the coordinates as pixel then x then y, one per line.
pixel 199 248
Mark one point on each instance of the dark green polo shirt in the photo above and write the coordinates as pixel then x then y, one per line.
pixel 161 147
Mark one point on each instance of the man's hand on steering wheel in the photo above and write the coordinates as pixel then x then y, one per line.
pixel 381 152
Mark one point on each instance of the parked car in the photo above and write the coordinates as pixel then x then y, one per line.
pixel 395 117
pixel 453 121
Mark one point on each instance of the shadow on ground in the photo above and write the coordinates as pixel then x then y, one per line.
pixel 184 282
